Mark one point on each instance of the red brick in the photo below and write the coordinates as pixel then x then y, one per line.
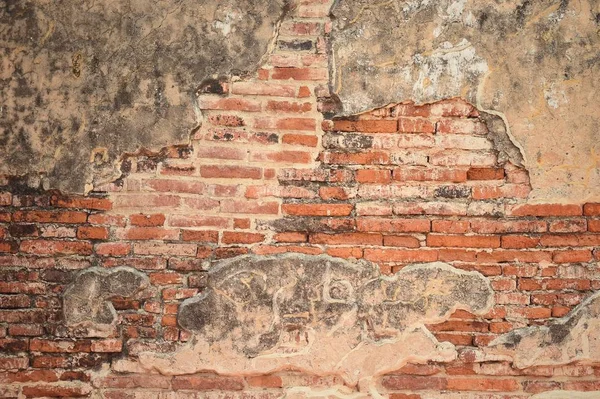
pixel 113 220
pixel 413 382
pixel 226 120
pixel 141 220
pixel 221 153
pixel 530 312
pixel 155 248
pixel 200 236
pixel 59 346
pixel 541 386
pixel 346 239
pixel 461 126
pixel 514 256
pixel 241 223
pixel 484 226
pixel 165 278
pixel 291 237
pixel 230 172
pixel 13 363
pixel 359 158
pixel 253 207
pixel 113 249
pixel 14 301
pixel 373 209
pixel 594 225
pixel 307 124
pixel 289 106
pixel 228 104
pixel 591 209
pixel 334 193
pixel 147 201
pixel 100 204
pixel 50 217
pixel 92 233
pixel 504 191
pixel 317 209
pixel 430 174
pixel 571 240
pixel 430 208
pixel 393 225
pixel 485 174
pixel 27 330
pixel 282 156
pixel 463 241
pixel 131 381
pixel 415 125
pixel 451 255
pixel 37 391
pixel 400 255
pixel 46 247
pixel 114 345
pixel 519 242
pixel 580 255
pixel 401 241
pixel 300 139
pixel 459 326
pixel 450 226
pixel 199 221
pixel 366 126
pixel 546 210
pixel 231 237
pixel 299 73
pixel 205 383
pixel 373 175
pixel 345 252
pixel 172 186
pixel 568 226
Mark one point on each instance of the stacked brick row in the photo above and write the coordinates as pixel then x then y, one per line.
pixel 265 173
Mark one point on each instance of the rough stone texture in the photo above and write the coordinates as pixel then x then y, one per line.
pixel 575 337
pixel 531 63
pixel 86 302
pixel 83 83
pixel 321 315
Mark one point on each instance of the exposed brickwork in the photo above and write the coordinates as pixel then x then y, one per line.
pixel 267 173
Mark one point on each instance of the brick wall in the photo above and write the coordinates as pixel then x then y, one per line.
pixel 269 171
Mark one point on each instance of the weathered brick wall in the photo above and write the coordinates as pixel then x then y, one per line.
pixel 270 172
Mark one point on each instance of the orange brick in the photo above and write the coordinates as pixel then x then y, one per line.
pixel 230 172
pixel 291 237
pixel 519 242
pixel 317 209
pixel 142 220
pixel 450 226
pixel 580 255
pixel 333 193
pixel 366 126
pixel 485 174
pixel 463 241
pixel 46 247
pixel 591 209
pixel 483 384
pixel 300 139
pixel 401 241
pixel 92 233
pixel 373 175
pixel 393 225
pixel 232 237
pixel 546 210
pixel 346 239
pixel 400 255
pixel 415 125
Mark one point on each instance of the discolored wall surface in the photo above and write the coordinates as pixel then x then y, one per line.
pixel 84 83
pixel 289 251
pixel 533 63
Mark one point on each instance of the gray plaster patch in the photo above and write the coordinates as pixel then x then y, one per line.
pixel 321 315
pixel 86 301
pixel 575 337
pixel 82 83
pixel 534 64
